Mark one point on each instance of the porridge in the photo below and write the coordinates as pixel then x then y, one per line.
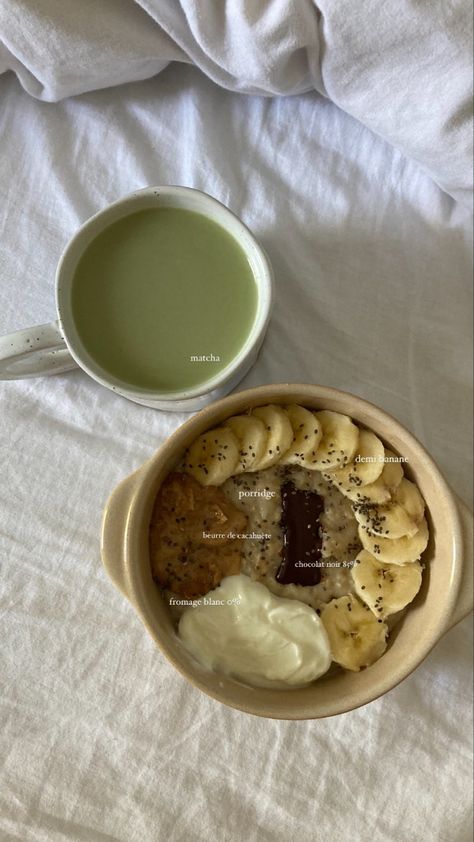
pixel 285 540
pixel 323 571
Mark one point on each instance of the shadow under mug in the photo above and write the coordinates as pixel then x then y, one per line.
pixel 57 347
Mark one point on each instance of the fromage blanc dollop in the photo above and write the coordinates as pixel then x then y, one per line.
pixel 244 631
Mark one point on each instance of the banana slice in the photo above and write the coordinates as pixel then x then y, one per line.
pixel 382 489
pixel 279 434
pixel 400 517
pixel 396 550
pixel 307 434
pixel 385 588
pixel 252 437
pixel 213 457
pixel 338 443
pixel 356 637
pixel 366 466
pixel 408 495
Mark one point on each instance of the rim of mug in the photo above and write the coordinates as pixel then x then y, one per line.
pixel 263 276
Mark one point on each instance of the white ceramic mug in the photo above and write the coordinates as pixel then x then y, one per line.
pixel 55 348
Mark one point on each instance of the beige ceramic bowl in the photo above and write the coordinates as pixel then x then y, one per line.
pixel 444 599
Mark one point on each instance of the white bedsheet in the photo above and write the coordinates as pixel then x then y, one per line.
pixel 101 740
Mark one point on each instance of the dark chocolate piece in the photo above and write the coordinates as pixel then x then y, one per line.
pixel 300 512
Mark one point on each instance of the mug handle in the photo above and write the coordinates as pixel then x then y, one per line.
pixel 464 604
pixel 34 352
pixel 114 528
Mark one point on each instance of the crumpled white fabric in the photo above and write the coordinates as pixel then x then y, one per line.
pixel 404 70
pixel 101 740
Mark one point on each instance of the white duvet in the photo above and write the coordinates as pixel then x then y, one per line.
pixel 404 70
pixel 362 208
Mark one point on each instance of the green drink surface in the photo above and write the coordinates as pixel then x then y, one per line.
pixel 158 288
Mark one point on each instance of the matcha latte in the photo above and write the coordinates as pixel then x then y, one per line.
pixel 163 299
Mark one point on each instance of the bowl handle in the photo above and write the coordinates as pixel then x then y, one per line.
pixel 114 528
pixel 464 602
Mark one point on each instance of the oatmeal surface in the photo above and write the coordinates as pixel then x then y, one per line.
pixel 258 495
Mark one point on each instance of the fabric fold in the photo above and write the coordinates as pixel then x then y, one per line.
pixel 403 71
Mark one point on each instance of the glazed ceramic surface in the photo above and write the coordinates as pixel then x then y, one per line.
pixel 444 599
pixel 57 347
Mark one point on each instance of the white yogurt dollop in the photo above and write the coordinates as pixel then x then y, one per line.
pixel 243 630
